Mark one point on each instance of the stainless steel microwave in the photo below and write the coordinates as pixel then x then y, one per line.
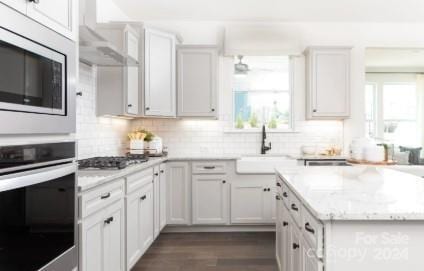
pixel 37 77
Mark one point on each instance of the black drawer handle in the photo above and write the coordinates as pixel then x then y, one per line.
pixel 277 197
pixel 156 174
pixel 209 167
pixel 143 197
pixel 224 181
pixel 309 228
pixel 269 189
pixel 285 195
pixel 278 184
pixel 295 246
pixel 130 105
pixel 294 207
pixel 285 224
pixel 105 196
pixel 147 108
pixel 109 220
pixel 162 171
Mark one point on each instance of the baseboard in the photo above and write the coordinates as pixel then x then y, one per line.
pixel 247 228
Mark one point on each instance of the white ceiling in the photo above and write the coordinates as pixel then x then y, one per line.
pixel 276 10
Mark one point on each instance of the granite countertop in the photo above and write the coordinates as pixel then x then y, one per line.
pixel 357 193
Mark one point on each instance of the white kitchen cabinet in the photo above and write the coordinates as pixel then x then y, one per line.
pixel 178 193
pixel 210 199
pixel 197 82
pixel 162 189
pixel 159 73
pixel 119 88
pixel 102 240
pixel 19 5
pixel 328 82
pixel 295 249
pixel 139 223
pixel 156 204
pixel 58 15
pixel 252 202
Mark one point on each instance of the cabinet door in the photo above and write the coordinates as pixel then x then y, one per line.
pixel 285 239
pixel 178 193
pixel 134 226
pixel 270 203
pixel 247 202
pixel 278 235
pixel 329 83
pixel 296 249
pixel 160 74
pixel 197 82
pixel 133 89
pixel 210 199
pixel 19 5
pixel 132 44
pixel 156 198
pixel 162 189
pixel 114 238
pixel 147 217
pixel 310 262
pixel 59 15
pixel 92 243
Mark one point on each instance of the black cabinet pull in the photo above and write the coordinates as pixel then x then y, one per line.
pixel 162 171
pixel 156 174
pixel 35 1
pixel 105 196
pixel 143 197
pixel 61 189
pixel 79 93
pixel 314 110
pixel 209 167
pixel 277 197
pixel 295 246
pixel 109 220
pixel 285 224
pixel 278 184
pixel 269 189
pixel 309 228
pixel 264 189
pixel 285 195
pixel 130 105
pixel 294 207
pixel 147 108
pixel 213 109
pixel 224 181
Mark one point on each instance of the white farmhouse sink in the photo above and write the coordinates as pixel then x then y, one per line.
pixel 263 164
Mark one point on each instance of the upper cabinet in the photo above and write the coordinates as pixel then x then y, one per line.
pixel 119 88
pixel 197 81
pixel 328 82
pixel 58 15
pixel 159 74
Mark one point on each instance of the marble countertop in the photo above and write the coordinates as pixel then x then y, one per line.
pixel 357 193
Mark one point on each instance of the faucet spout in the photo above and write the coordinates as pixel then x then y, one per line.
pixel 264 148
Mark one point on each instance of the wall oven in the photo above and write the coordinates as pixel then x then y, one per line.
pixel 38 210
pixel 37 77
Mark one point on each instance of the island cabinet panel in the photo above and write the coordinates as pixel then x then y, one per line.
pixel 162 201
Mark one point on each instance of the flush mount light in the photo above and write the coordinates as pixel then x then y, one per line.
pixel 240 68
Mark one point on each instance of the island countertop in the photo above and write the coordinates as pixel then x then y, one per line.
pixel 357 193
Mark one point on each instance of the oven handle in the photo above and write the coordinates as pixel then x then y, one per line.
pixel 31 177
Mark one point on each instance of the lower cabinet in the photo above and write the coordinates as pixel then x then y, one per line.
pixel 102 239
pixel 178 193
pixel 162 192
pixel 140 208
pixel 210 197
pixel 252 202
pixel 156 203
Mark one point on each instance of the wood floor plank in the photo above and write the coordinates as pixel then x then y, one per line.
pixel 210 252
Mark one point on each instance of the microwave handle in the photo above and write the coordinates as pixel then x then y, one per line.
pixel 31 177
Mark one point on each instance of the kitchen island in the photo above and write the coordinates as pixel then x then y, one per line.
pixel 349 218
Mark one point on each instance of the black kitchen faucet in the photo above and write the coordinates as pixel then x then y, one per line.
pixel 264 148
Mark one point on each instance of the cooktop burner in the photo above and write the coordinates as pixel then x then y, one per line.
pixel 111 162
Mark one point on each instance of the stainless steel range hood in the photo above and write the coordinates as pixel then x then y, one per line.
pixel 94 49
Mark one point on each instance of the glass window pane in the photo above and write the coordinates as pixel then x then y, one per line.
pixel 262 94
pixel 400 102
pixel 402 132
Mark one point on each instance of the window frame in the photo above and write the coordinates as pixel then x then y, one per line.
pixel 291 122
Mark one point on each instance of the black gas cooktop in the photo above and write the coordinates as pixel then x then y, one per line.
pixel 111 162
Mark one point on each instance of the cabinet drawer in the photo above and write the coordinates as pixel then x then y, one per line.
pixel 139 179
pixel 209 167
pixel 95 200
pixel 295 209
pixel 313 232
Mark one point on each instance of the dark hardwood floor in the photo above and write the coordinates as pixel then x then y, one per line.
pixel 210 252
